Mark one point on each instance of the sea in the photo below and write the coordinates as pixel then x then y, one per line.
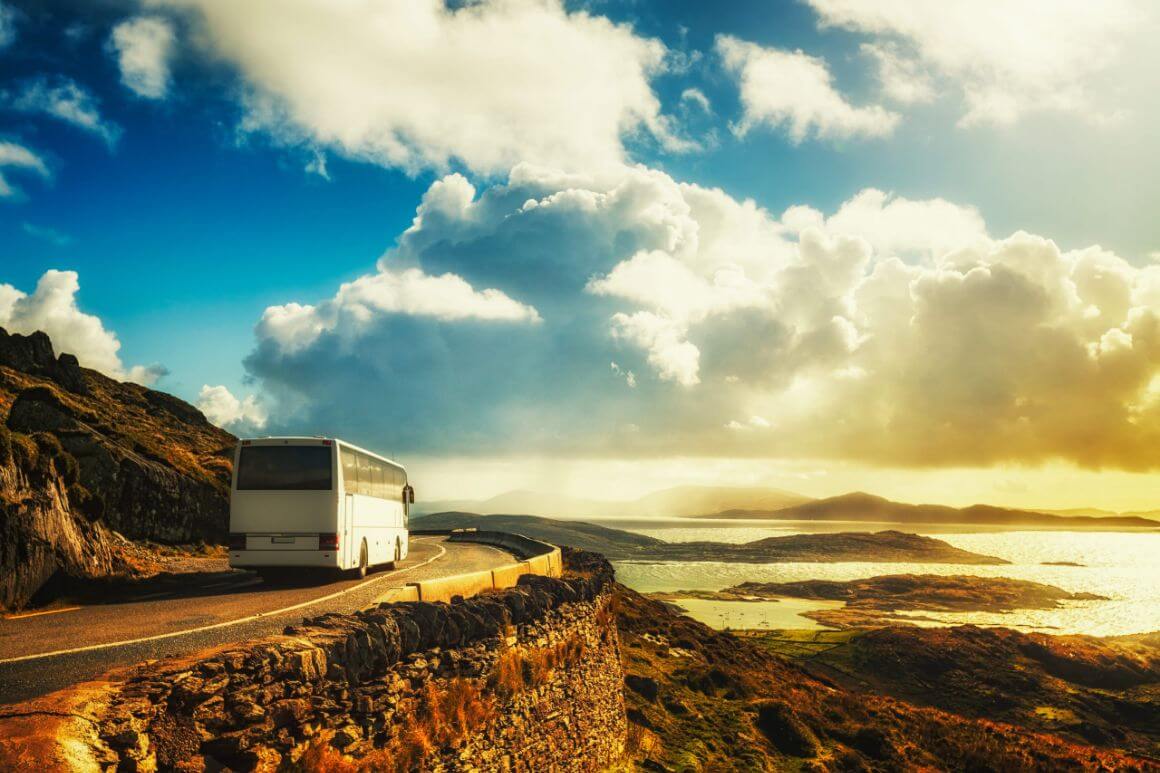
pixel 1122 565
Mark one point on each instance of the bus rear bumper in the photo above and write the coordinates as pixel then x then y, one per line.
pixel 253 559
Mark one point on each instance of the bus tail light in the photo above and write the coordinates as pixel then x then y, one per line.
pixel 237 542
pixel 328 542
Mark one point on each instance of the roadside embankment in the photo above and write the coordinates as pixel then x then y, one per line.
pixel 527 677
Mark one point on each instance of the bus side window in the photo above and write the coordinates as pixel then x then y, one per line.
pixel 350 471
pixel 380 480
pixel 366 479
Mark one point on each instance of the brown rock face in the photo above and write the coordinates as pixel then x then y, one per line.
pixel 138 496
pixel 93 455
pixel 39 534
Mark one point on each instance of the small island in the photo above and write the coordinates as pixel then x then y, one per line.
pixel 877 601
pixel 878 547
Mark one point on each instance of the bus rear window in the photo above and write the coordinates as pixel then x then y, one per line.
pixel 285 468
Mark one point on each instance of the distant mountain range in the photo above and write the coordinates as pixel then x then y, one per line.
pixel 673 502
pixel 882 546
pixel 860 506
pixel 775 504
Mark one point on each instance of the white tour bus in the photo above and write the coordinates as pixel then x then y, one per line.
pixel 316 502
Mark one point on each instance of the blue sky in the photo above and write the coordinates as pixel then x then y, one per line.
pixel 197 163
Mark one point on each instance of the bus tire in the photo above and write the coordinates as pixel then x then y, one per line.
pixel 363 561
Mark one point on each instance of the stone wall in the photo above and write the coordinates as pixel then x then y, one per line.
pixel 528 678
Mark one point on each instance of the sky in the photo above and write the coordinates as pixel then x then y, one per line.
pixel 607 247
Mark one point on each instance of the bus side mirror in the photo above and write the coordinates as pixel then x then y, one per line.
pixel 409 492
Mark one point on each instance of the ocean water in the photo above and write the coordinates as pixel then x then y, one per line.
pixel 1124 566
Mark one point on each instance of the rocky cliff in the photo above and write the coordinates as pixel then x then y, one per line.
pixel 83 455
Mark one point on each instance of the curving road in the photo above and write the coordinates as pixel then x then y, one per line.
pixel 45 651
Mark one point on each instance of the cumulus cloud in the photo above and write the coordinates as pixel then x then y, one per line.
pixel 897 225
pixel 426 84
pixel 18 157
pixel 143 46
pixel 52 308
pixel 902 78
pixel 66 100
pixel 892 330
pixel 362 303
pixel 225 410
pixel 793 91
pixel 673 357
pixel 1005 58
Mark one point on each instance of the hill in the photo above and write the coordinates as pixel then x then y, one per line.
pixel 860 506
pixel 700 699
pixel 672 502
pixel 886 546
pixel 1104 692
pixel 587 536
pixel 85 458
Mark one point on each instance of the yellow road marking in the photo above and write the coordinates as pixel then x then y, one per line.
pixel 38 614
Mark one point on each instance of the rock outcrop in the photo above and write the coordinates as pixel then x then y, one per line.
pixel 39 534
pixel 93 455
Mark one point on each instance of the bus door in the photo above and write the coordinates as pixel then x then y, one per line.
pixel 349 556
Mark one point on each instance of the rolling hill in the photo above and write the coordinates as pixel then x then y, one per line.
pixel 860 506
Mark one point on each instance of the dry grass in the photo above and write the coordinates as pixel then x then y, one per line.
pixel 443 718
pixel 517 669
pixel 447 714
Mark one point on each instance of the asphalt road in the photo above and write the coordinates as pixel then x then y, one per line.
pixel 47 650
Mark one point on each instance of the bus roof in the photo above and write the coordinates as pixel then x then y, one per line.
pixel 314 440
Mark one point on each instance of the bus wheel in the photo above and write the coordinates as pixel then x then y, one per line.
pixel 363 562
pixel 398 552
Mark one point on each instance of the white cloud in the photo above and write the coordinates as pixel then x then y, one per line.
pixel 795 92
pixel 1006 57
pixel 894 225
pixel 7 26
pixel 52 308
pixel 18 157
pixel 67 101
pixel 225 410
pixel 144 46
pixel 902 78
pixel 673 357
pixel 410 292
pixel 663 282
pixel 420 84
pixel 893 330
pixel 752 423
pixel 697 98
pixel 628 375
pixel 317 164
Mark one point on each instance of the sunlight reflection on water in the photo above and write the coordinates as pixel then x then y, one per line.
pixel 1124 566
